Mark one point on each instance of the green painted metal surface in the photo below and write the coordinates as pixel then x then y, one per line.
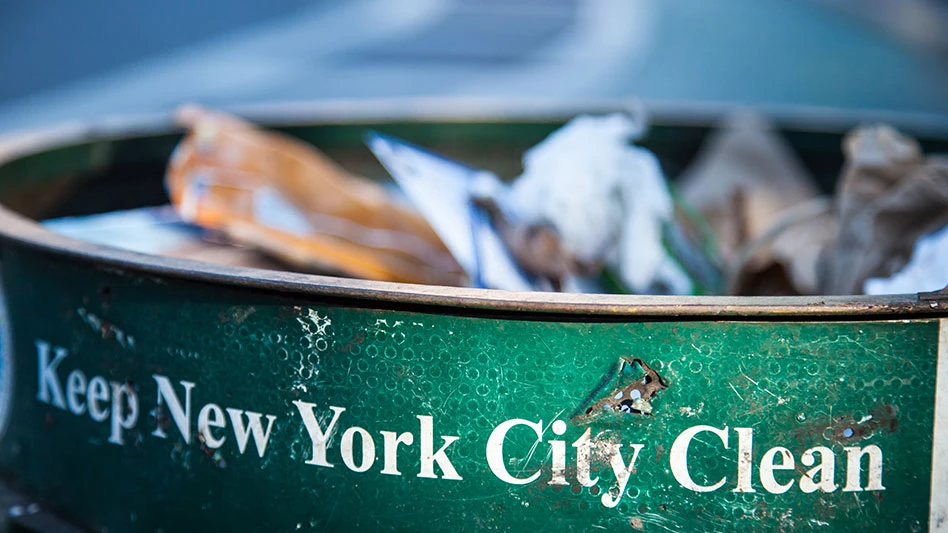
pixel 467 421
pixel 450 412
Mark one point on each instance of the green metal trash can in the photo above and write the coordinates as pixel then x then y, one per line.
pixel 145 393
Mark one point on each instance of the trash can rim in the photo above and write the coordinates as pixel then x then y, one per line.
pixel 15 228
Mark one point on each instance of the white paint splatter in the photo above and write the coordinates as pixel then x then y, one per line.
pixel 315 330
pixel 314 324
pixel 690 411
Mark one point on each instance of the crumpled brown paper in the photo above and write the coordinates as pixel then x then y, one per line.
pixel 889 195
pixel 284 197
pixel 763 206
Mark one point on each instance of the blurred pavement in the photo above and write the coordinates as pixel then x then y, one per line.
pixel 67 61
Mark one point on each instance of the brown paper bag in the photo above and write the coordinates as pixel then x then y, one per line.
pixel 889 195
pixel 282 196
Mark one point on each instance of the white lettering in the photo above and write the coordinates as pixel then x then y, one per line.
pixel 558 451
pixel 611 498
pixel 495 450
pixel 745 454
pixel 391 441
pixel 121 420
pixel 50 391
pixel 583 447
pixel 854 468
pixel 180 416
pixel 428 459
pixel 75 390
pixel 826 471
pixel 260 436
pixel 98 392
pixel 368 449
pixel 319 437
pixel 211 416
pixel 767 467
pixel 678 457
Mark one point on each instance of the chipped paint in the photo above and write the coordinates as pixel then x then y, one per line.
pixel 314 324
pixel 106 329
pixel 623 396
pixel 237 314
pixel 315 336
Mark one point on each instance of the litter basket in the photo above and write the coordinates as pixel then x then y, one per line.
pixel 145 393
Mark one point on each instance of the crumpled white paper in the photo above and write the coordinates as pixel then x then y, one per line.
pixel 927 270
pixel 606 197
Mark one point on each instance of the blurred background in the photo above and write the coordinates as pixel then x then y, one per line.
pixel 63 60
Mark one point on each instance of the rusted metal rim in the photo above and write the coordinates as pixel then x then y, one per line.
pixel 19 229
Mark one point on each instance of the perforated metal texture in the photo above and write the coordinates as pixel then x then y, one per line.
pixel 796 384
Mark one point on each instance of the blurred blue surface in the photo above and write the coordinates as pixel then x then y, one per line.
pixel 65 60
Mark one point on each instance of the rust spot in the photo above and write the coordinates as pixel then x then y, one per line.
pixel 214 455
pixel 106 328
pixel 637 523
pixel 886 416
pixel 236 314
pixel 847 428
pixel 358 338
pixel 659 453
pixel 105 294
pixel 560 505
pixel 882 417
pixel 761 509
pixel 162 419
pixel 622 391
